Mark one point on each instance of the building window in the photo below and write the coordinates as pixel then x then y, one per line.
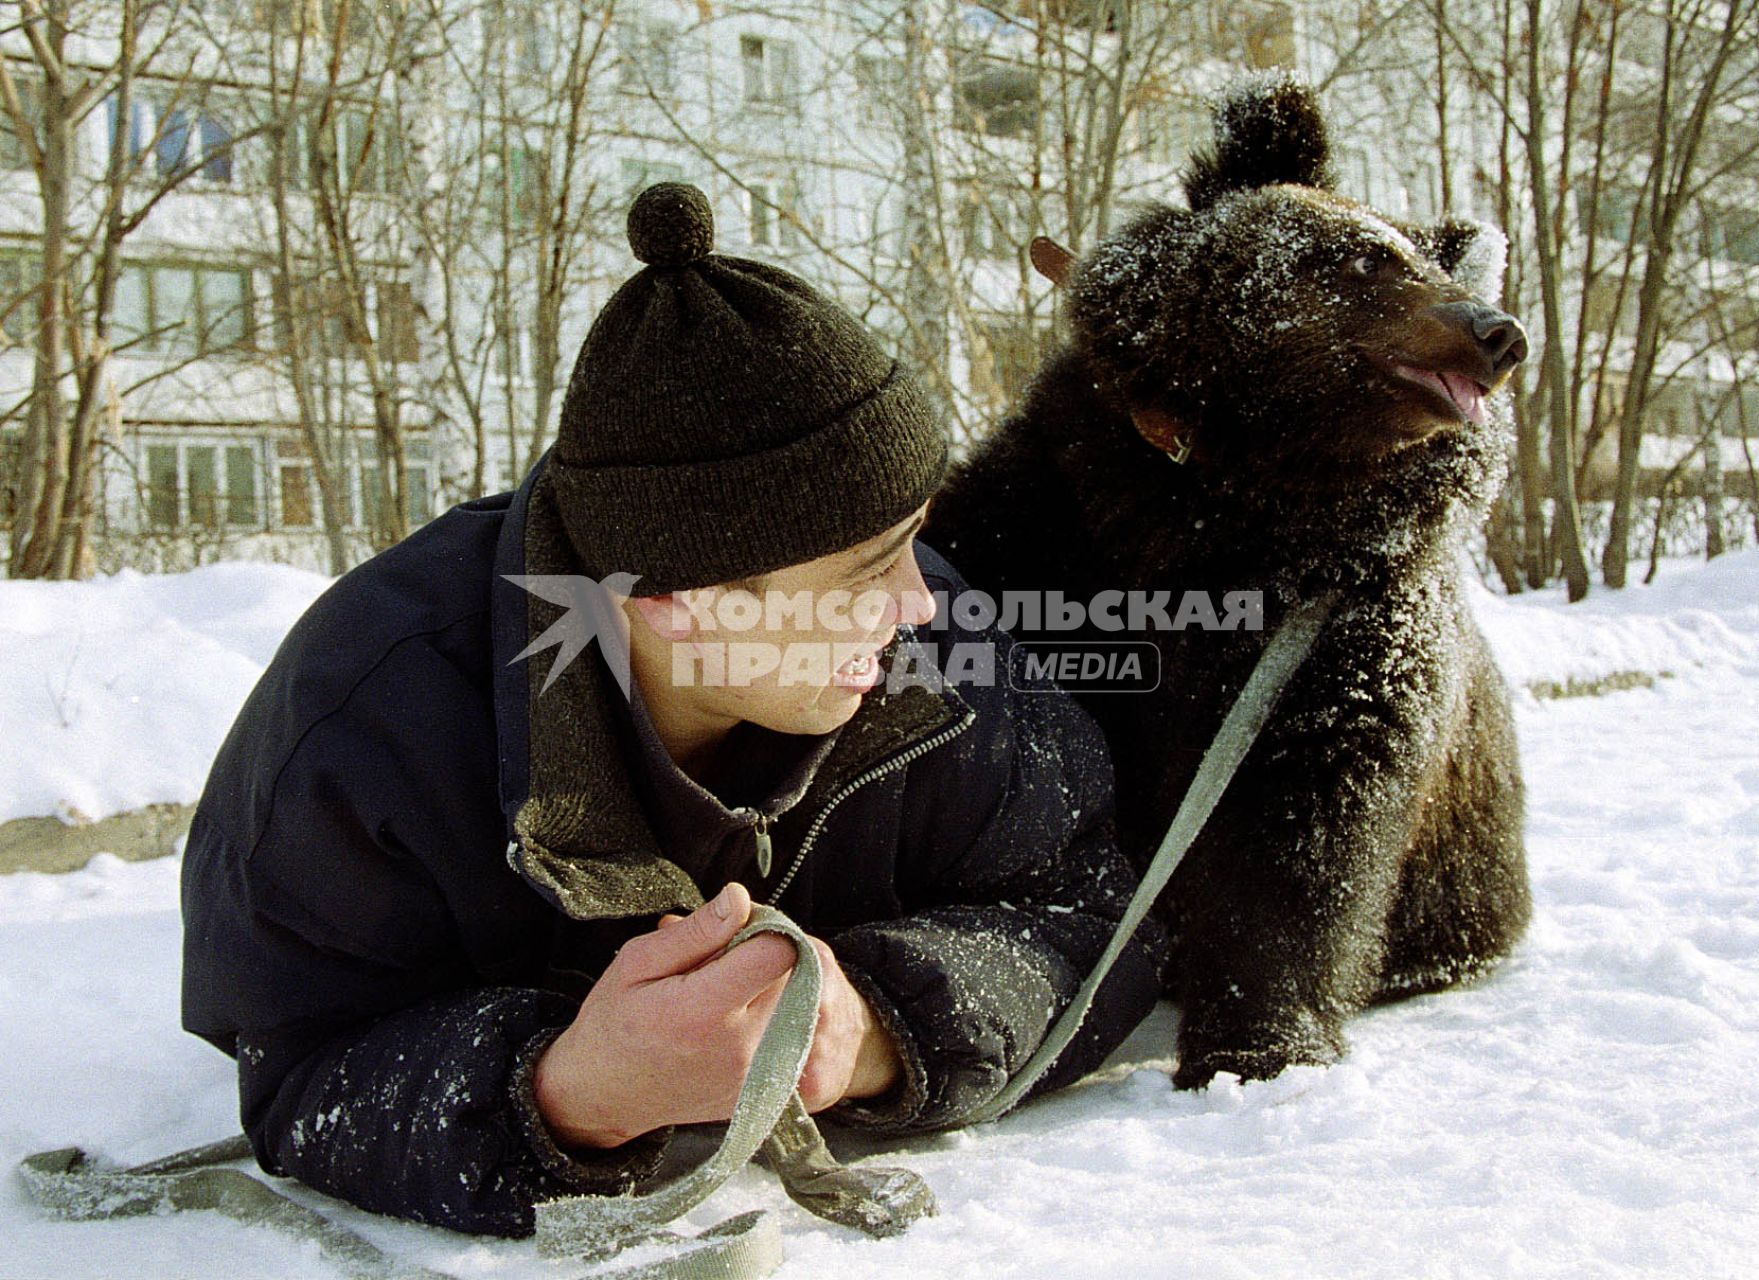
pixel 11 472
pixel 1004 355
pixel 356 143
pixel 1267 35
pixel 877 79
pixel 216 143
pixel 514 341
pixel 1356 173
pixel 1170 128
pixel 180 307
pixel 314 311
pixel 294 473
pixel 760 214
pixel 14 153
pixel 773 213
pixel 995 98
pixel 990 227
pixel 418 502
pixel 769 69
pixel 530 41
pixel 647 58
pixel 201 485
pixel 880 226
pixel 398 340
pixel 322 313
pixel 369 496
pixel 163 505
pixel 1620 214
pixel 241 485
pixel 640 174
pixel 1731 233
pixel 182 138
pixel 19 273
pixel 526 179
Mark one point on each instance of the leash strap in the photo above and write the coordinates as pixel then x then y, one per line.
pixel 70 1187
pixel 1245 719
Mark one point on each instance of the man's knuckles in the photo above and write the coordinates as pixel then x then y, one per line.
pixel 751 967
pixel 827 959
pixel 821 1083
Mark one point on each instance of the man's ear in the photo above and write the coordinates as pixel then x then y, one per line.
pixel 670 617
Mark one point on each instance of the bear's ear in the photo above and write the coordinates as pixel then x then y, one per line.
pixel 1475 254
pixel 1268 130
pixel 1051 260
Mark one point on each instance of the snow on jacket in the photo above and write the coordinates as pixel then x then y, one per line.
pixel 406 870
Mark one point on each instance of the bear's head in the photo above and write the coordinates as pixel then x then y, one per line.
pixel 1278 326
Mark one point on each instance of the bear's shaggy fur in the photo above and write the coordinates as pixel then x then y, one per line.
pixel 1329 373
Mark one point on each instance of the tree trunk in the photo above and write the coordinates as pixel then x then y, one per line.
pixel 1529 460
pixel 926 295
pixel 1615 558
pixel 48 439
pixel 330 500
pixel 1553 376
pixel 1713 490
pixel 1673 163
pixel 1500 544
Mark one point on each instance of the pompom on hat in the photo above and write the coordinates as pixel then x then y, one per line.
pixel 725 419
pixel 671 225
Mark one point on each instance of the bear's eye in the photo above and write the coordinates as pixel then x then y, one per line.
pixel 1366 266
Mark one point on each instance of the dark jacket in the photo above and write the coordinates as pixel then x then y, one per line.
pixel 401 878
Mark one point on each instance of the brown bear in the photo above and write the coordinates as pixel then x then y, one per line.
pixel 1280 391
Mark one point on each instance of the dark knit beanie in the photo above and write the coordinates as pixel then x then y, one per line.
pixel 725 419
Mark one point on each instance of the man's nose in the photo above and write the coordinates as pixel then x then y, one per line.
pixel 916 604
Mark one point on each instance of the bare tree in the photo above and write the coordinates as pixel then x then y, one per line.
pixel 510 212
pixel 1702 41
pixel 51 82
pixel 331 90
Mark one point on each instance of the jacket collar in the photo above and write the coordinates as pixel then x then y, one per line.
pixel 578 832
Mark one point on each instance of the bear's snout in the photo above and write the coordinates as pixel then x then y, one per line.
pixel 1498 335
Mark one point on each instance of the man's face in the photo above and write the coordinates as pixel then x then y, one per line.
pixel 796 650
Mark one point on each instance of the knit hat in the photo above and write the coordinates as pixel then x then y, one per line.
pixel 725 419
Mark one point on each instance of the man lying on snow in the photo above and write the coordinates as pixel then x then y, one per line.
pixel 432 907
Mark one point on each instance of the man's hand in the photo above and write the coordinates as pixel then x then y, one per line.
pixel 852 1054
pixel 667 1034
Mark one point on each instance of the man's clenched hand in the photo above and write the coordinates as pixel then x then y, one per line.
pixel 667 1034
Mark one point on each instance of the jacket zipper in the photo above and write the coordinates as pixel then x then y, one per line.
pixel 761 832
pixel 849 788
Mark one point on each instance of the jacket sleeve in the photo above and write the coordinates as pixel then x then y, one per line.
pixel 1016 891
pixel 377 1060
pixel 426 1113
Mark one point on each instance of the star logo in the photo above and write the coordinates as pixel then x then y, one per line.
pixel 589 612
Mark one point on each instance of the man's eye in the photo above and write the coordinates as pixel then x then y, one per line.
pixel 874 576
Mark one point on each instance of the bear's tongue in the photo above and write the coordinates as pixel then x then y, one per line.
pixel 1467 395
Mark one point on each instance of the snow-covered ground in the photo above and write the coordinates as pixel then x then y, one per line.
pixel 117 693
pixel 1588 1111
